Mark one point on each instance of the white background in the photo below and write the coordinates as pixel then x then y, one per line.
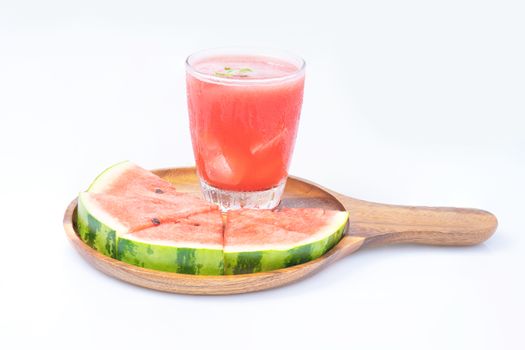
pixel 409 102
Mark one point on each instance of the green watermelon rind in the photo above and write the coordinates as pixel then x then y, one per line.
pixel 180 259
pixel 242 262
pixel 113 240
pixel 93 231
pixel 107 176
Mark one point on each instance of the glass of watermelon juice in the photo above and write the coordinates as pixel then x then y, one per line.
pixel 244 108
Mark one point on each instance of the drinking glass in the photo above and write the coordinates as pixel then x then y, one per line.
pixel 244 107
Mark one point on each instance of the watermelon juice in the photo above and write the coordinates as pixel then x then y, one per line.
pixel 244 111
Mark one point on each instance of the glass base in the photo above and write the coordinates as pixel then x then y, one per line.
pixel 228 200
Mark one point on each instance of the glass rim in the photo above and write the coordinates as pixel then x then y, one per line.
pixel 255 51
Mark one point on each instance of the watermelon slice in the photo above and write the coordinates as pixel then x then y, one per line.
pixel 137 217
pixel 192 245
pixel 264 240
pixel 154 233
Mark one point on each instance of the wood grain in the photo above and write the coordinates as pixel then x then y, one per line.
pixel 371 224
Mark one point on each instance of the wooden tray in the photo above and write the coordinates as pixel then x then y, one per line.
pixel 371 224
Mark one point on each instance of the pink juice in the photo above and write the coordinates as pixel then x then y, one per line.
pixel 244 112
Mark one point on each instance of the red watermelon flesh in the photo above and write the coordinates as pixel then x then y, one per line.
pixel 306 221
pixel 136 213
pixel 242 229
pixel 212 219
pixel 204 229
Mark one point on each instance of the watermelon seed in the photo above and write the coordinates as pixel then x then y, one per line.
pixel 155 221
pixel 158 190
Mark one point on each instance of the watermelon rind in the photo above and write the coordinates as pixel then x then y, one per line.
pixel 171 258
pixel 96 228
pixel 105 178
pixel 243 259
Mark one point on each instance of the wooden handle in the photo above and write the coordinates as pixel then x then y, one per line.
pixel 382 224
